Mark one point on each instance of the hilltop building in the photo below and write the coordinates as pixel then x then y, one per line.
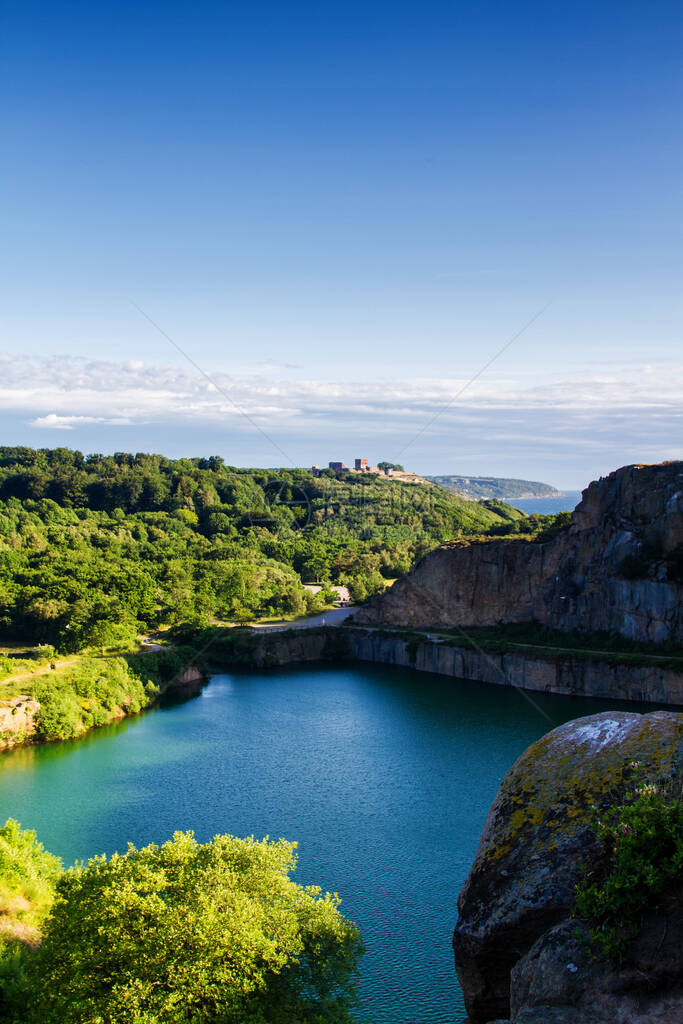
pixel 362 466
pixel 359 466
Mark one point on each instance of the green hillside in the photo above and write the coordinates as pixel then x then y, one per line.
pixel 96 548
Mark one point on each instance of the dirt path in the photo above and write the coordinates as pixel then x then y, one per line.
pixel 332 617
pixel 146 645
pixel 38 672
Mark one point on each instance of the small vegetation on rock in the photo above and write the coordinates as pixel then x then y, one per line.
pixel 641 842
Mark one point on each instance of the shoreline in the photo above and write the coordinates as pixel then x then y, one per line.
pixel 626 677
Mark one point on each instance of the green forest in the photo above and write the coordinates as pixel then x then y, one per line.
pixel 95 549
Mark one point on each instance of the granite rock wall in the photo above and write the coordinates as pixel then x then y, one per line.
pixel 618 568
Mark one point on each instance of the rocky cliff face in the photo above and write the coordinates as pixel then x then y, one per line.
pixel 529 860
pixel 576 676
pixel 17 720
pixel 558 982
pixel 618 568
pixel 263 648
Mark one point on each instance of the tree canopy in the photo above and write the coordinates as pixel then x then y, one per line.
pixel 189 933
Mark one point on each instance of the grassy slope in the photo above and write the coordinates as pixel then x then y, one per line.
pixel 128 543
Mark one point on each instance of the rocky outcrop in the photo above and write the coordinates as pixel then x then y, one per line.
pixel 272 648
pixel 535 840
pixel 187 683
pixel 558 981
pixel 17 720
pixel 618 568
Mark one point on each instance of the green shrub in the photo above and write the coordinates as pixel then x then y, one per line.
pixel 187 932
pixel 60 715
pixel 642 855
pixel 26 867
pixel 89 693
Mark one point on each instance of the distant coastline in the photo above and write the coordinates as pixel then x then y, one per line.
pixel 504 488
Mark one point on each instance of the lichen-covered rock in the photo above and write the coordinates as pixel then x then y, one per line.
pixel 618 568
pixel 537 835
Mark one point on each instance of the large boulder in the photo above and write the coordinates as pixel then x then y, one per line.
pixel 538 834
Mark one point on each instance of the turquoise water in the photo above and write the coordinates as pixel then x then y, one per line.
pixel 383 775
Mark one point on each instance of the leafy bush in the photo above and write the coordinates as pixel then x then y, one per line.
pixel 60 715
pixel 187 932
pixel 642 855
pixel 90 693
pixel 28 871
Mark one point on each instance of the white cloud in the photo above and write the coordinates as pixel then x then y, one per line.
pixel 55 422
pixel 629 412
pixel 64 389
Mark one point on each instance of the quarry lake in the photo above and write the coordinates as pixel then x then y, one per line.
pixel 384 777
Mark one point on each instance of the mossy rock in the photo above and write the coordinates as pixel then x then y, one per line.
pixel 538 837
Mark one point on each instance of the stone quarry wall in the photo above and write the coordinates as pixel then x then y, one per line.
pixel 568 675
pixel 618 568
pixel 574 676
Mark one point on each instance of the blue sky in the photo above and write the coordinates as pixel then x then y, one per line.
pixel 341 212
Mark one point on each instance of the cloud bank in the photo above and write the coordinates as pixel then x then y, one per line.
pixel 631 413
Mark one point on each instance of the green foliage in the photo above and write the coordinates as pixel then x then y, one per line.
pixel 193 933
pixel 94 691
pixel 20 660
pixel 642 855
pixel 94 549
pixel 28 875
pixel 539 528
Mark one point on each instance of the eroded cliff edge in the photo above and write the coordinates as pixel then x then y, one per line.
pixel 617 568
